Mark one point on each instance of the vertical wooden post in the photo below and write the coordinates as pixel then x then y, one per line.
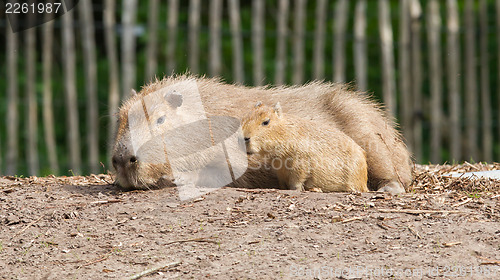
pixel 151 63
pixel 281 50
pixel 416 62
pixel 172 23
pixel 471 117
pixel 215 37
pixel 386 44
pixel 70 91
pixel 128 46
pixel 90 65
pixel 12 121
pixel 112 55
pixel 498 54
pixel 435 76
pixel 319 40
pixel 48 115
pixel 405 72
pixel 194 34
pixel 234 13
pixel 360 55
pixel 298 45
pixel 258 23
pixel 486 123
pixel 32 112
pixel 339 40
pixel 453 66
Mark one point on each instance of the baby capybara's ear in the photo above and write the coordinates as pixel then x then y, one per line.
pixel 277 109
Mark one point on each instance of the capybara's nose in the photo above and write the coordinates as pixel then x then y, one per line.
pixel 123 160
pixel 247 139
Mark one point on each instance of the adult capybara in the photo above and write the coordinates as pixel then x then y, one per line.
pixel 328 104
pixel 305 155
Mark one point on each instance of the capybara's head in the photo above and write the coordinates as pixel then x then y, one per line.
pixel 261 126
pixel 133 173
pixel 138 156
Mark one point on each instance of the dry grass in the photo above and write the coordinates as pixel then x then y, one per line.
pixel 427 179
pixel 433 179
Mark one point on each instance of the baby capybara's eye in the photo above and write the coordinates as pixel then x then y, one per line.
pixel 266 122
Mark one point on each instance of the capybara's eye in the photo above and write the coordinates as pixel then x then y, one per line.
pixel 133 159
pixel 160 120
pixel 266 122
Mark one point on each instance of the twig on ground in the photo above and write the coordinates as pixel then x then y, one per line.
pixel 201 239
pixel 470 165
pixel 99 259
pixel 450 244
pixel 106 201
pixel 109 173
pixel 95 261
pixel 489 261
pixel 199 199
pixel 462 202
pixel 384 226
pixel 352 219
pixel 154 269
pixel 412 230
pixel 417 211
pixel 256 191
pixel 26 227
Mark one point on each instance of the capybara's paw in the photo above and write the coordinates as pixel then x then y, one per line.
pixel 392 187
pixel 315 190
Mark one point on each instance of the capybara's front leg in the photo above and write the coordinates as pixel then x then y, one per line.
pixel 296 181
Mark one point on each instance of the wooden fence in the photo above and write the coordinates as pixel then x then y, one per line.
pixel 437 67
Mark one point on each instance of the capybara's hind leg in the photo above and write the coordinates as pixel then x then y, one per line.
pixel 392 187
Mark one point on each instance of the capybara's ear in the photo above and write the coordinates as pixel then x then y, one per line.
pixel 258 104
pixel 277 109
pixel 133 92
pixel 174 98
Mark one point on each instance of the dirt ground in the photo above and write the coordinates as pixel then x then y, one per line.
pixel 86 228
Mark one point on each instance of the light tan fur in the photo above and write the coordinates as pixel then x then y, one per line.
pixel 328 104
pixel 305 155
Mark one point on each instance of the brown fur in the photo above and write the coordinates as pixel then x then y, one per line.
pixel 304 155
pixel 333 105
